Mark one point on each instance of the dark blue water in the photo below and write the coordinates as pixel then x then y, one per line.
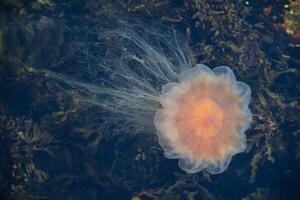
pixel 54 147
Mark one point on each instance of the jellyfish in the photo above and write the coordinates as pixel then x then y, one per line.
pixel 144 80
pixel 203 119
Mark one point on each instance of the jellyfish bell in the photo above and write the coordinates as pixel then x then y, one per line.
pixel 203 118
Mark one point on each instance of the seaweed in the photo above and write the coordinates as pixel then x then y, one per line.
pixel 54 147
pixel 21 140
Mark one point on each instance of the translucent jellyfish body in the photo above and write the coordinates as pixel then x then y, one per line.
pixel 134 73
pixel 203 119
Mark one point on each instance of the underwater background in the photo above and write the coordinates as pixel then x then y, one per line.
pixel 54 147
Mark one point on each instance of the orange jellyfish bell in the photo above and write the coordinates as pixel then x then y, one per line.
pixel 203 119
